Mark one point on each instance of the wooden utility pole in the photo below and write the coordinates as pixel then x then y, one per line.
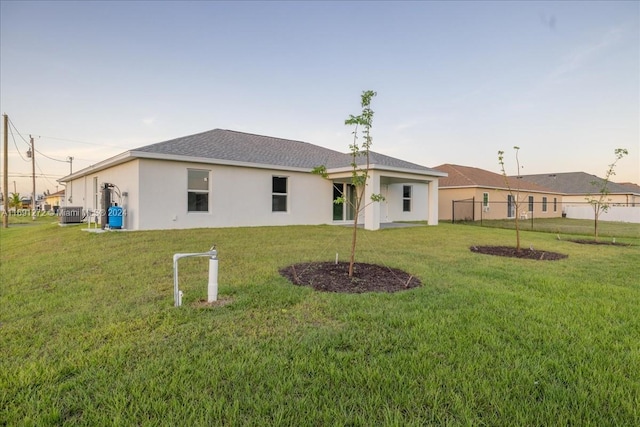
pixel 33 176
pixel 5 181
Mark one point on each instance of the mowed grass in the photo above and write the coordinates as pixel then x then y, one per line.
pixel 90 336
pixel 569 227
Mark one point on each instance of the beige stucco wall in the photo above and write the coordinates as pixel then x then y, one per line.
pixel 497 207
pixel 53 200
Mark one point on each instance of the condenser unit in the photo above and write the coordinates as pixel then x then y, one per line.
pixel 70 214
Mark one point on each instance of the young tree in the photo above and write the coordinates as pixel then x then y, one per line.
pixel 15 201
pixel 515 194
pixel 359 175
pixel 600 202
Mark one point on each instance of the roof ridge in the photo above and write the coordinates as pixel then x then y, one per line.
pixel 271 137
pixel 465 176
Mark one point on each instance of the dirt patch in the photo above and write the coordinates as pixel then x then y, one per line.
pixel 508 251
pixel 332 277
pixel 219 303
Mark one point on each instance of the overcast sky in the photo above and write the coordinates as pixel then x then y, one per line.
pixel 456 81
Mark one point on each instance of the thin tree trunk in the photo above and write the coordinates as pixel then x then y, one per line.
pixel 353 246
pixel 355 228
pixel 517 230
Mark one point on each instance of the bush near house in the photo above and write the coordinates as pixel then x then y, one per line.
pixel 90 336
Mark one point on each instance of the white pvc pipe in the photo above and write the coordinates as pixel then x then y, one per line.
pixel 212 291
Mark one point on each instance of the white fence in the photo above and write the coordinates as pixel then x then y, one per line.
pixel 615 213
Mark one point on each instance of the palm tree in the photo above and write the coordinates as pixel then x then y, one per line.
pixel 15 201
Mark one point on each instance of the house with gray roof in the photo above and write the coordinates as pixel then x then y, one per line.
pixel 471 194
pixel 225 178
pixel 578 186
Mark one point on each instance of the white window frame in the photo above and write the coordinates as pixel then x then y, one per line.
pixel 406 199
pixel 278 194
pixel 96 194
pixel 199 191
pixel 511 206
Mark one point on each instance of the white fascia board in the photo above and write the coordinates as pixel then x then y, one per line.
pixel 131 155
pixel 338 172
pixel 210 161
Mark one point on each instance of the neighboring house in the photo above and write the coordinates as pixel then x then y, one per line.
pixel 469 193
pixel 578 186
pixel 631 186
pixel 53 201
pixel 26 203
pixel 224 178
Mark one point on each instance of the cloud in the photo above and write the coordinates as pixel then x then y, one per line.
pixel 149 121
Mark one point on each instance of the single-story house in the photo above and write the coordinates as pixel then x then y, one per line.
pixel 577 187
pixel 53 201
pixel 469 193
pixel 225 178
pixel 26 202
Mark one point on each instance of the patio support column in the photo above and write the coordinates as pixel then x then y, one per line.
pixel 432 189
pixel 372 209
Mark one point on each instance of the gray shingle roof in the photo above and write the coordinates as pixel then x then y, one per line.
pixel 575 183
pixel 222 144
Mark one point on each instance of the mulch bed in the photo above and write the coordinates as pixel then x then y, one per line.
pixel 332 277
pixel 508 251
pixel 599 242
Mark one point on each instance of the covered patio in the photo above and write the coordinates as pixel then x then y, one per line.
pixel 386 181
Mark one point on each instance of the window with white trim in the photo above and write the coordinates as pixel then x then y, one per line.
pixel 197 190
pixel 530 203
pixel 485 200
pixel 406 198
pixel 544 204
pixel 279 193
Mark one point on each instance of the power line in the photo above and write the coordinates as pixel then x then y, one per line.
pixel 82 142
pixel 19 134
pixel 16 145
pixel 55 138
pixel 43 174
pixel 51 158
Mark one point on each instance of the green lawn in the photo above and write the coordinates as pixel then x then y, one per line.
pixel 569 227
pixel 89 334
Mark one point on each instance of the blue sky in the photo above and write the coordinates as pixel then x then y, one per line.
pixel 456 81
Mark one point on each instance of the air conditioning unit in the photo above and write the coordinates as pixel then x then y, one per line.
pixel 485 209
pixel 70 214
